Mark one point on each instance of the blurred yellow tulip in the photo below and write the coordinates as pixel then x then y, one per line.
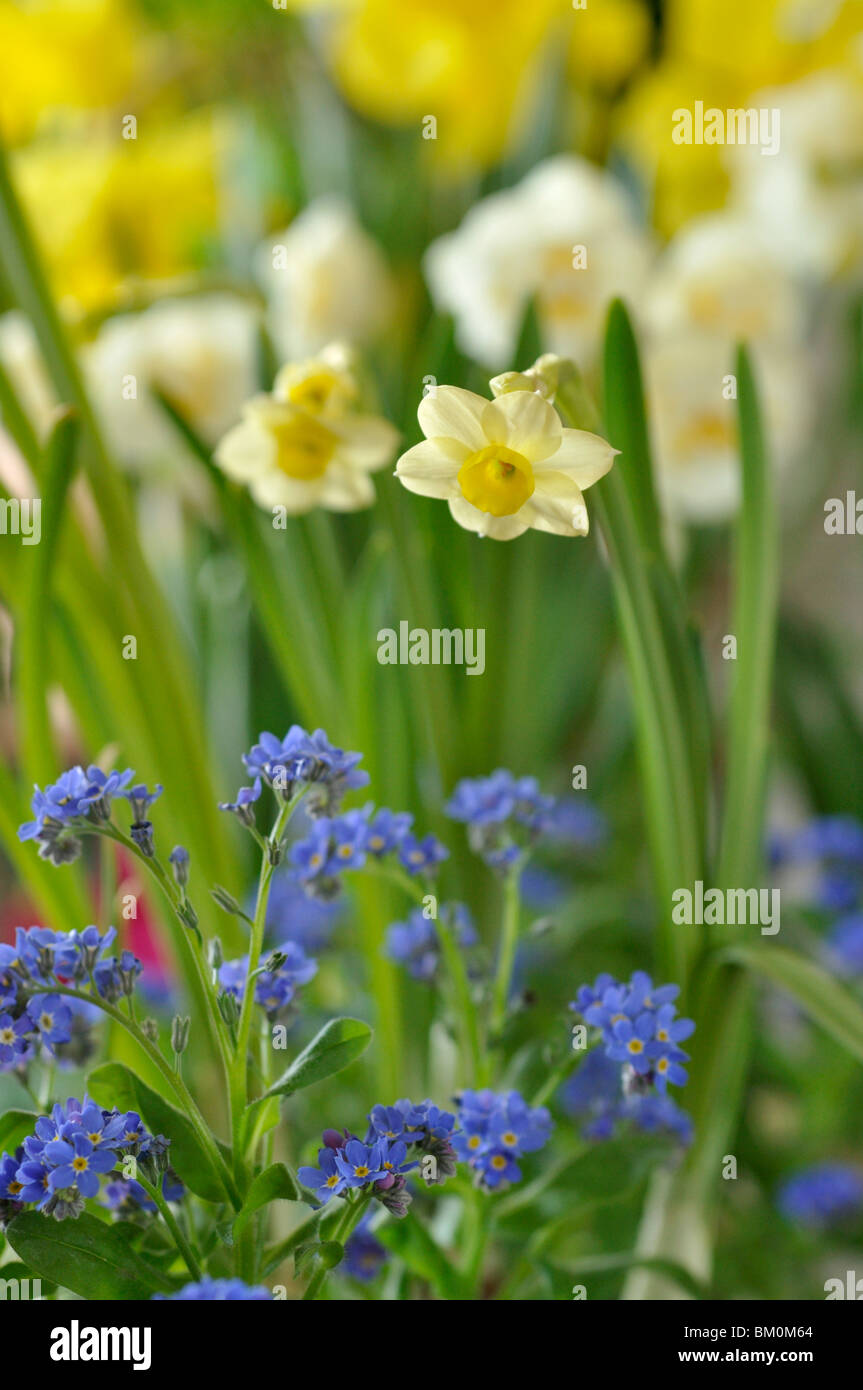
pixel 105 209
pixel 467 63
pixel 64 55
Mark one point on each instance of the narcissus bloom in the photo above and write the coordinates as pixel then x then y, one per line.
pixel 504 465
pixel 304 445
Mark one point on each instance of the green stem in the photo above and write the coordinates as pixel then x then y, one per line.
pixel 349 1221
pixel 155 869
pixel 155 1192
pixel 239 1066
pixel 507 949
pixel 176 1083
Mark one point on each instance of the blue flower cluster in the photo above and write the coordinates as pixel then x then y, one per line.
pixel 62 1162
pixel 80 799
pixel 833 847
pixel 495 1129
pixel 506 816
pixel 400 1139
pixel 342 842
pixel 31 1014
pixel 275 989
pixel 640 1029
pixel 217 1291
pixel 305 762
pixel 415 944
pixel 595 1093
pixel 364 1254
pixel 826 1195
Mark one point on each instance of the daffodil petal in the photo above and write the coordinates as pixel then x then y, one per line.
pixel 499 528
pixel 557 505
pixel 449 412
pixel 366 441
pixel 245 451
pixel 583 456
pixel 525 423
pixel 346 489
pixel 429 470
pixel 275 489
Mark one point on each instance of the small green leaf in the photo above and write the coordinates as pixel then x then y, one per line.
pixel 15 1125
pixel 86 1256
pixel 114 1084
pixel 338 1044
pixel 276 1254
pixel 275 1183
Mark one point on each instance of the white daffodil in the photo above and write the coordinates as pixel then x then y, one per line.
pixel 504 465
pixel 691 403
pixel 808 198
pixel 563 237
pixel 325 279
pixel 720 275
pixel 199 351
pixel 305 445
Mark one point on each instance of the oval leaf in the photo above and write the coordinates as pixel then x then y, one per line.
pixel 338 1044
pixel 15 1125
pixel 87 1256
pixel 274 1184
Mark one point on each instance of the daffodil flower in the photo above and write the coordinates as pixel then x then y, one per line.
pixel 504 465
pixel 305 445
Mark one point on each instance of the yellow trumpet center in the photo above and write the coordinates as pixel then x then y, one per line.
pixel 496 480
pixel 317 391
pixel 304 447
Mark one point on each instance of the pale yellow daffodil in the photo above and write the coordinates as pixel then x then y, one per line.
pixel 504 465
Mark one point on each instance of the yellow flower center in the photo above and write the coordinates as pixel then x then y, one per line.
pixel 315 391
pixel 496 480
pixel 509 1138
pixel 707 430
pixel 80 1165
pixel 361 1171
pixel 332 1180
pixel 498 1162
pixel 7 1036
pixel 304 447
pixel 15 1187
pixel 635 1046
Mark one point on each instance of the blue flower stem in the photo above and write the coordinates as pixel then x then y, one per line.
pixel 239 1066
pixel 215 1021
pixel 557 1076
pixel 350 1219
pixel 506 950
pixel 175 1082
pixel 154 1191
